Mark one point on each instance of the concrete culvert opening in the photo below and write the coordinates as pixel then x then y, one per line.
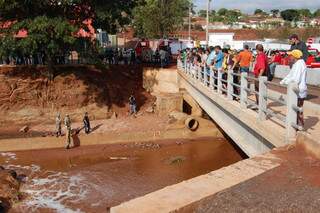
pixel 192 124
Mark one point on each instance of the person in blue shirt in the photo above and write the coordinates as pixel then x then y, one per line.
pixel 210 59
pixel 218 62
pixel 218 59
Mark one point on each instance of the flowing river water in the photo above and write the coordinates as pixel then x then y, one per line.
pixel 95 178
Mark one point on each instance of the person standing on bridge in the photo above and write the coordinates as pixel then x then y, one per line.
pixel 298 74
pixel 261 68
pixel 296 44
pixel 244 59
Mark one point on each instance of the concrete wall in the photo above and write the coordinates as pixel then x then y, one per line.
pixel 160 80
pixel 313 75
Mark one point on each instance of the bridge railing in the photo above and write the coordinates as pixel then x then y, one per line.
pixel 242 87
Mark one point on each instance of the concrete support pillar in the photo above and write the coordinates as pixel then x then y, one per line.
pixel 262 97
pixel 199 68
pixel 203 74
pixel 211 80
pixel 219 81
pixel 243 92
pixel 230 86
pixel 292 100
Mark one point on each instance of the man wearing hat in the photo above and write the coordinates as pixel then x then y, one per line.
pixel 298 74
pixel 296 44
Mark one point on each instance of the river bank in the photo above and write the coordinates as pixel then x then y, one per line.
pixel 94 178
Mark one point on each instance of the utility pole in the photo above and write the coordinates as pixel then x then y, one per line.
pixel 207 28
pixel 190 21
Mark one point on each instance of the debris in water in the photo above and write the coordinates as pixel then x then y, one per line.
pixel 118 158
pixel 176 160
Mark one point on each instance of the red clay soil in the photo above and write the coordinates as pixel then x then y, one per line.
pixel 25 91
pixel 294 186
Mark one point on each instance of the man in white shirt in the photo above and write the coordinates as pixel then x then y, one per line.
pixel 298 74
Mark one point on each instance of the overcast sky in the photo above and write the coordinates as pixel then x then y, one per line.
pixel 251 5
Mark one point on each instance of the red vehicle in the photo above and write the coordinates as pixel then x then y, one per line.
pixel 314 58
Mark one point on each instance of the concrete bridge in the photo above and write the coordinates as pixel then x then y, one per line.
pixel 254 128
pixel 231 103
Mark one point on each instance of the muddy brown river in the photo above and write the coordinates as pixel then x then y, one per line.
pixel 95 178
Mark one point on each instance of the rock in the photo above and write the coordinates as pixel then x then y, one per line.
pixel 9 190
pixel 150 110
pixel 24 129
pixel 13 173
pixel 114 115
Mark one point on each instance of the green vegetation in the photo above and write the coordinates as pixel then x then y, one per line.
pixel 52 26
pixel 158 18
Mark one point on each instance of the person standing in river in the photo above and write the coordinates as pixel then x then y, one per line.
pixel 67 123
pixel 58 125
pixel 86 123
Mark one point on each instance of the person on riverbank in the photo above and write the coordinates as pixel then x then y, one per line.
pixel 261 67
pixel 298 74
pixel 58 125
pixel 86 123
pixel 297 44
pixel 67 123
pixel 132 105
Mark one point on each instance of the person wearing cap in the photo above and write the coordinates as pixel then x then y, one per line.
pixel 296 44
pixel 298 74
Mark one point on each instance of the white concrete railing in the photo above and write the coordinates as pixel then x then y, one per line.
pixel 236 87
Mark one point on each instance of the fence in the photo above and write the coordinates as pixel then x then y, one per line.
pixel 237 87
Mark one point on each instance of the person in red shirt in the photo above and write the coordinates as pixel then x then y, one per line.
pixel 261 67
pixel 275 61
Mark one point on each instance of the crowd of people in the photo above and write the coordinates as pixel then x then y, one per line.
pixel 161 56
pixel 216 59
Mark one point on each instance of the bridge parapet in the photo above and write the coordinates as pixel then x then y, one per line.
pixel 237 88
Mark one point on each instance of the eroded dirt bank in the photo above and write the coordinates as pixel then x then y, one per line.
pixel 27 97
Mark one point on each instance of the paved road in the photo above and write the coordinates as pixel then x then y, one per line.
pixel 313 92
pixel 294 186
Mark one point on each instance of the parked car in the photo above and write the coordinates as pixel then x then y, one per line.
pixel 314 58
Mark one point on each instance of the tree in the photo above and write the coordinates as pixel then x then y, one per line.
pixel 259 12
pixel 275 12
pixel 305 13
pixel 110 15
pixel 202 13
pixel 52 26
pixel 222 12
pixel 316 13
pixel 158 18
pixel 290 15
